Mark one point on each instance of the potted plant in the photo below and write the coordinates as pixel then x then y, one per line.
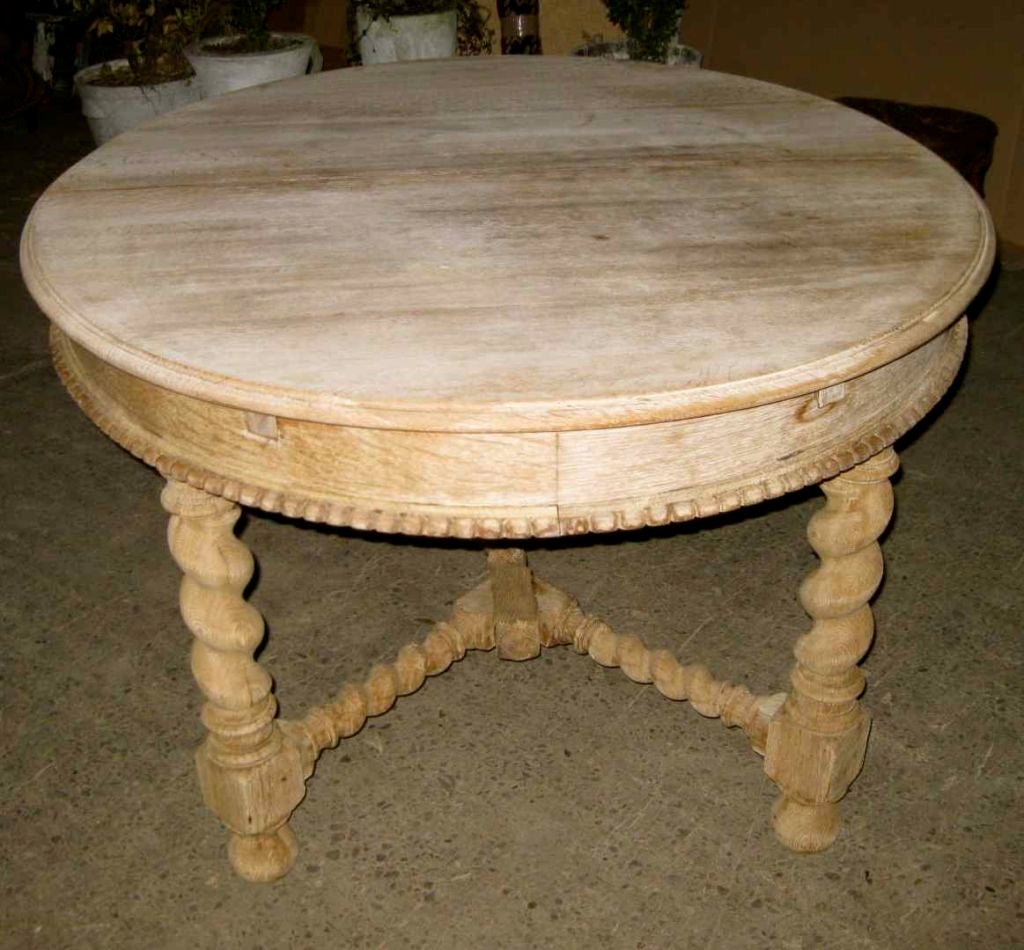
pixel 390 30
pixel 246 52
pixel 57 32
pixel 149 74
pixel 651 29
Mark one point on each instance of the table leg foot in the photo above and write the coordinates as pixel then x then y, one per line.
pixel 806 828
pixel 816 743
pixel 264 857
pixel 250 770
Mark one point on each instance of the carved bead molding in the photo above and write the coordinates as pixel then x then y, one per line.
pixel 676 508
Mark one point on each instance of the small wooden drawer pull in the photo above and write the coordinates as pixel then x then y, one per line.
pixel 830 394
pixel 265 427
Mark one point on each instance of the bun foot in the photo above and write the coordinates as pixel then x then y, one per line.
pixel 263 858
pixel 805 828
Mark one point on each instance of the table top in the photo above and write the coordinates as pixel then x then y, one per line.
pixel 509 244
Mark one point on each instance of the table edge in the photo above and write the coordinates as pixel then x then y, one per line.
pixel 598 413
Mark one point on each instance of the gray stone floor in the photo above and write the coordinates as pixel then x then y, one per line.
pixel 550 804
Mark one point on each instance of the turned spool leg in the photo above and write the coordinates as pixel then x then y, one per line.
pixel 816 743
pixel 250 774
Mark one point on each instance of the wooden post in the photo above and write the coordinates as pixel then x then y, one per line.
pixel 516 624
pixel 251 776
pixel 816 743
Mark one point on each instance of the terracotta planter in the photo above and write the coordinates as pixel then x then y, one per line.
pixel 111 110
pixel 219 71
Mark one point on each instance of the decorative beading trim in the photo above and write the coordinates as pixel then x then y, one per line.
pixel 468 526
pixel 797 477
pixel 562 622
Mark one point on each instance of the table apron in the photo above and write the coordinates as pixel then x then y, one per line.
pixel 493 485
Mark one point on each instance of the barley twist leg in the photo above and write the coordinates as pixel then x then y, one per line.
pixel 251 776
pixel 816 744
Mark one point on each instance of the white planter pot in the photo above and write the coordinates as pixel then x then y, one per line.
pixel 219 72
pixel 428 36
pixel 111 110
pixel 678 53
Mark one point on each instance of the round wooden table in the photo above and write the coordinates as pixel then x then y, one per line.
pixel 504 299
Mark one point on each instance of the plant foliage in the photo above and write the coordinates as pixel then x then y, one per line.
pixel 150 34
pixel 651 26
pixel 248 18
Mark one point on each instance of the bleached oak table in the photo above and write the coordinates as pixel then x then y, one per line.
pixel 506 299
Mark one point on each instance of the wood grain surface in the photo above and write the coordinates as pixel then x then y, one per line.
pixel 504 298
pixel 506 244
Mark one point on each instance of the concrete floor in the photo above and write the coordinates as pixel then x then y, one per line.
pixel 549 804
